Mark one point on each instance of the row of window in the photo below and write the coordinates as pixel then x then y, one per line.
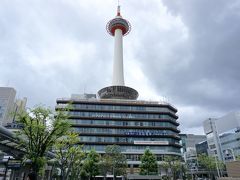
pixel 162 149
pixel 234 141
pixel 137 157
pixel 118 107
pixel 121 123
pixel 124 139
pixel 110 131
pixel 3 105
pixel 121 115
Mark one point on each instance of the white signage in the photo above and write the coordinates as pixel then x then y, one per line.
pixel 152 142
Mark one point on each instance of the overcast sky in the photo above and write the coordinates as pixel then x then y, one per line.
pixel 185 52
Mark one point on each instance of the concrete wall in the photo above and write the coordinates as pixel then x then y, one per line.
pixel 233 169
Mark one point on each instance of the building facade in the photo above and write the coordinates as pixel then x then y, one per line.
pixel 7 103
pixel 9 106
pixel 223 136
pixel 189 152
pixel 202 148
pixel 133 125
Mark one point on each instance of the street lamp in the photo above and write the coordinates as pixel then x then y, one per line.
pixel 216 161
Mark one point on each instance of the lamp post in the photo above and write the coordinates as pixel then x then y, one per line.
pixel 216 161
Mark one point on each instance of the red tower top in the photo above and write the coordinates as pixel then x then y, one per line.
pixel 118 23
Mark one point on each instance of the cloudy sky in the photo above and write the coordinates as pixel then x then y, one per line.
pixel 185 52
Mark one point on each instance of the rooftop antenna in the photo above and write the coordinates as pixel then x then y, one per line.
pixel 118 9
pixel 84 89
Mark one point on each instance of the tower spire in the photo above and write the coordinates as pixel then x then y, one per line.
pixel 118 11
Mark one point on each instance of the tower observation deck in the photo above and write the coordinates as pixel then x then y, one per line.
pixel 118 27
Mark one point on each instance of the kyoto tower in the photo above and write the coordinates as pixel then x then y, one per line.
pixel 118 27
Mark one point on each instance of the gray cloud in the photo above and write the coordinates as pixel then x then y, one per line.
pixel 50 49
pixel 187 51
pixel 203 70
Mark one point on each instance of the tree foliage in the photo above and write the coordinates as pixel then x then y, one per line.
pixel 91 163
pixel 105 165
pixel 207 162
pixel 148 164
pixel 69 156
pixel 116 160
pixel 41 128
pixel 210 163
pixel 173 164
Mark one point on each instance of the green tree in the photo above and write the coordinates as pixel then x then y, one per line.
pixel 116 159
pixel 41 128
pixel 165 166
pixel 172 164
pixel 78 171
pixel 210 164
pixel 176 168
pixel 91 164
pixel 148 164
pixel 105 165
pixel 69 156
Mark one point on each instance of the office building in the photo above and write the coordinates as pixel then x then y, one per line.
pixel 7 102
pixel 115 116
pixel 188 143
pixel 223 136
pixel 190 140
pixel 9 106
pixel 202 148
pixel 189 153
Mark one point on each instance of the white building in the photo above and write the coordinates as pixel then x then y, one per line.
pixel 223 136
pixel 9 106
pixel 7 98
pixel 188 142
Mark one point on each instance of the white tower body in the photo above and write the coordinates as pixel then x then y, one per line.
pixel 118 27
pixel 118 76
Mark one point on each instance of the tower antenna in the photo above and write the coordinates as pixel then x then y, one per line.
pixel 118 9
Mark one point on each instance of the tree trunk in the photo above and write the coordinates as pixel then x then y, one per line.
pixel 62 174
pixel 35 176
pixel 114 176
pixel 35 170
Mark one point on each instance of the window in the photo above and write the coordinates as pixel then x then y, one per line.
pixel 212 146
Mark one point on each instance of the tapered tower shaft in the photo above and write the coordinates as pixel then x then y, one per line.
pixel 118 75
pixel 118 27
